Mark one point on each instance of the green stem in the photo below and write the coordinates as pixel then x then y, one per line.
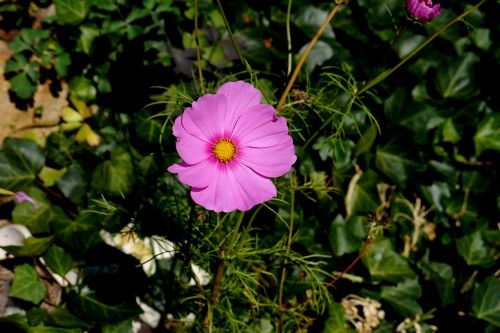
pixel 289 37
pixel 281 307
pixel 198 51
pixel 6 192
pixel 214 293
pixel 306 54
pixel 231 37
pixel 322 127
pixel 234 239
pixel 388 72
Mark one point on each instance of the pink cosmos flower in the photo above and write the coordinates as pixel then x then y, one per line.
pixel 422 10
pixel 231 145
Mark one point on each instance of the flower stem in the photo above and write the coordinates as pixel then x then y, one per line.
pixel 388 72
pixel 281 307
pixel 304 56
pixel 289 37
pixel 233 41
pixel 198 51
pixel 214 293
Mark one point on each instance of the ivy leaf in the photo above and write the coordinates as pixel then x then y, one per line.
pixel 403 297
pixel 395 105
pixel 80 234
pixel 58 260
pixel 61 63
pixel 320 53
pixel 22 86
pixel 346 236
pixel 385 264
pixel 365 143
pixel 395 162
pixel 121 327
pixel 362 194
pixel 35 217
pixel 61 317
pixel 32 247
pixel 71 11
pixel 336 322
pixel 148 129
pixel 87 35
pixel 309 20
pixel 454 79
pixel 49 329
pixel 50 175
pixel 442 275
pixel 26 285
pixel 89 307
pixel 73 184
pixel 450 133
pixel 115 176
pixel 16 63
pixel 488 134
pixel 82 89
pixel 20 161
pixel 486 301
pixel 473 249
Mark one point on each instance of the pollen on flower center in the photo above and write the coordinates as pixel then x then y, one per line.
pixel 224 150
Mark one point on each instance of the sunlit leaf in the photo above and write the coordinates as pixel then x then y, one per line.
pixel 32 247
pixel 58 260
pixel 474 250
pixel 20 161
pixel 362 194
pixel 26 285
pixel 116 175
pixel 71 11
pixel 488 134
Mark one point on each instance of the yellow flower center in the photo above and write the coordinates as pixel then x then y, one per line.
pixel 224 150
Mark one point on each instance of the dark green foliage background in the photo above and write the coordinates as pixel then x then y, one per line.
pixel 430 132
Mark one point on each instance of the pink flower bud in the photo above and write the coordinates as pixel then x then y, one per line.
pixel 422 10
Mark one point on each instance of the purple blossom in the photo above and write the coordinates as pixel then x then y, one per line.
pixel 422 10
pixel 22 197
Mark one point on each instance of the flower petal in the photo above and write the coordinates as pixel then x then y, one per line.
pixel 196 175
pixel 206 117
pixel 272 161
pixel 192 150
pixel 259 127
pixel 240 96
pixel 254 188
pixel 234 187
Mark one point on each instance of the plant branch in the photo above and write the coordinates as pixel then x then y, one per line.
pixel 289 37
pixel 198 51
pixel 388 72
pixel 231 37
pixel 281 307
pixel 304 56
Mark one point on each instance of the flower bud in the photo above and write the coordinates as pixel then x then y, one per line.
pixel 422 10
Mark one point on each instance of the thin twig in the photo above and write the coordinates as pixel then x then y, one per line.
pixel 289 37
pixel 304 56
pixel 231 37
pixel 281 307
pixel 388 72
pixel 198 51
